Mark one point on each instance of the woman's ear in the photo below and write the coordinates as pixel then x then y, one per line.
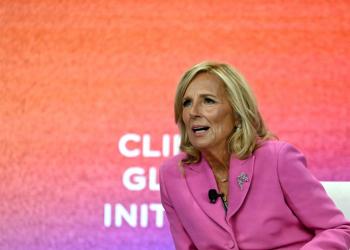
pixel 238 121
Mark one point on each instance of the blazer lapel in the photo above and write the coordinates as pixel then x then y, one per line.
pixel 236 194
pixel 200 180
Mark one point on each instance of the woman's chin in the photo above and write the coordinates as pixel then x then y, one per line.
pixel 201 146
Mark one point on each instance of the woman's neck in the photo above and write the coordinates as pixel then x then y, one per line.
pixel 217 160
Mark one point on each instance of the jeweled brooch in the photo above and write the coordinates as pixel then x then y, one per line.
pixel 242 178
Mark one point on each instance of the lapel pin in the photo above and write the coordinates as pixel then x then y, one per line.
pixel 242 178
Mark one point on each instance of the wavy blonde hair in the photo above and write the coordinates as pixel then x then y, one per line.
pixel 240 143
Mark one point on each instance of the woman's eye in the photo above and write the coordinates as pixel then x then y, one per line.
pixel 208 101
pixel 186 103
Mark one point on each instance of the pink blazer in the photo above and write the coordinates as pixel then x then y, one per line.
pixel 282 206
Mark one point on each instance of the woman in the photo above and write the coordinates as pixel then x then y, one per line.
pixel 262 196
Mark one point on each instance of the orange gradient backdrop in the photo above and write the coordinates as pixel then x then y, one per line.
pixel 76 76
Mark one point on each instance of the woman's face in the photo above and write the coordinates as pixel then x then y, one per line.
pixel 207 113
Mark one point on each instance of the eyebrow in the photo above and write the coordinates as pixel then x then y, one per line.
pixel 201 95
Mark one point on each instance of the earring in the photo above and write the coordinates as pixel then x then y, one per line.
pixel 238 128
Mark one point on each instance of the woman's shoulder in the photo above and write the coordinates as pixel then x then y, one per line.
pixel 275 147
pixel 280 154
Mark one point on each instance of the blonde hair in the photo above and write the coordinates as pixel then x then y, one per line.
pixel 240 143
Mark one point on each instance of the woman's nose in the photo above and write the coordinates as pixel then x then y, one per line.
pixel 195 111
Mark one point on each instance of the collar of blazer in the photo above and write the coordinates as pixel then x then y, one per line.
pixel 200 180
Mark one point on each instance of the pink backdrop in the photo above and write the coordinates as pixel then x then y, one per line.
pixel 83 82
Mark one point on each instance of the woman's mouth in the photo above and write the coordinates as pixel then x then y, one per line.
pixel 199 130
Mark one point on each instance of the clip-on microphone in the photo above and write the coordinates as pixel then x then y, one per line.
pixel 213 195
